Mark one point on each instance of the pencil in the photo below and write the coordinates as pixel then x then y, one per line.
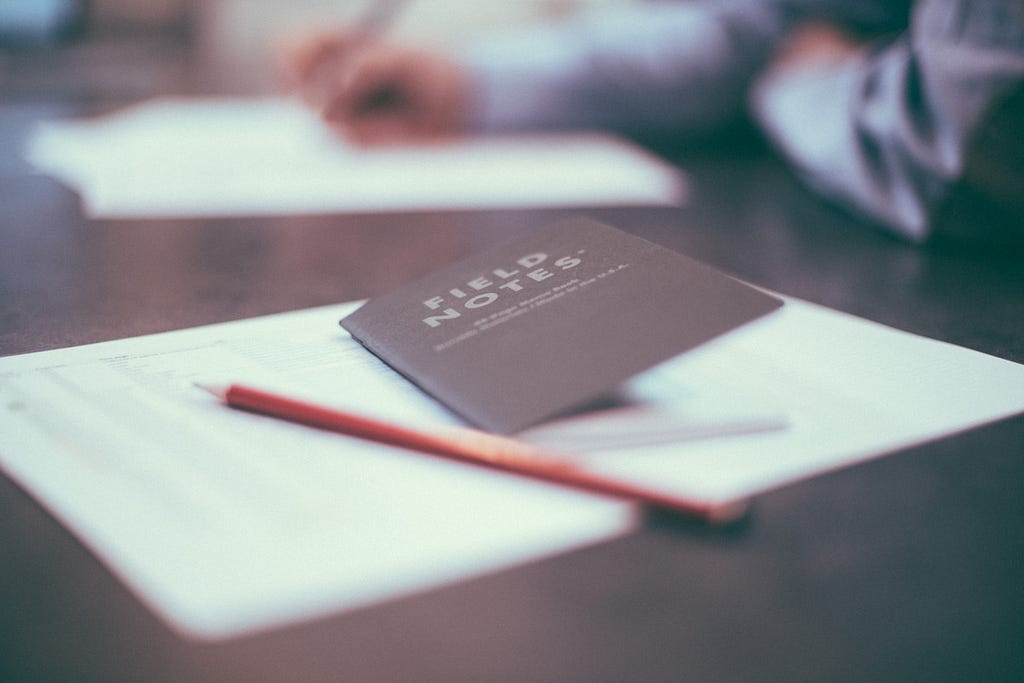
pixel 379 15
pixel 472 446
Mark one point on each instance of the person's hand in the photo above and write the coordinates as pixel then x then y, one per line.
pixel 814 44
pixel 376 93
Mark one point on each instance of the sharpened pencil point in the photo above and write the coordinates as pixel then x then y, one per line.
pixel 217 390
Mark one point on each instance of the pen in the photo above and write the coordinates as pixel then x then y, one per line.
pixel 468 445
pixel 315 64
pixel 379 15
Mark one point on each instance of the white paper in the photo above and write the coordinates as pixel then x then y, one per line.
pixel 225 157
pixel 851 389
pixel 225 522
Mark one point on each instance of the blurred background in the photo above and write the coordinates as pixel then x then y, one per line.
pixel 134 48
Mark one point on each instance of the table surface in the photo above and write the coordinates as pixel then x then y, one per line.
pixel 907 567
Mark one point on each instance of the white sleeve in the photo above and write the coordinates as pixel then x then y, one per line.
pixel 889 131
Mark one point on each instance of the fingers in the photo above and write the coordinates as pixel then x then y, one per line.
pixel 306 63
pixel 382 94
pixel 373 92
pixel 815 42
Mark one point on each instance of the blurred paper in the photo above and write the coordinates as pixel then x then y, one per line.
pixel 244 157
pixel 226 522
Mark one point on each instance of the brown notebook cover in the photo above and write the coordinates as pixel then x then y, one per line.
pixel 526 332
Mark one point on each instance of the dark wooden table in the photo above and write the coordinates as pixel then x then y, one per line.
pixel 910 567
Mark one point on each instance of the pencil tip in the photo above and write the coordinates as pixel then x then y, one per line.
pixel 217 390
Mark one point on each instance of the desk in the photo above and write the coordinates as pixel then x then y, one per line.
pixel 905 568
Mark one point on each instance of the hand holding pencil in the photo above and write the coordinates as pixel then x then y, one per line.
pixel 374 92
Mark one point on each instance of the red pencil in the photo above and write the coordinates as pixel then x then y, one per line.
pixel 469 445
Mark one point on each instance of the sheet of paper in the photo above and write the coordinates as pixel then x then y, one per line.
pixel 225 522
pixel 224 157
pixel 851 390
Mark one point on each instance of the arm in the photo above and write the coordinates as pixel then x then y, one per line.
pixel 891 131
pixel 647 68
pixel 676 68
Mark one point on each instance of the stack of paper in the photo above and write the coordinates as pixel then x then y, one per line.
pixel 225 157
